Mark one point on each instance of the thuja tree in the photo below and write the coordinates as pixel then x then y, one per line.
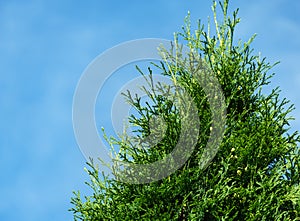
pixel 255 173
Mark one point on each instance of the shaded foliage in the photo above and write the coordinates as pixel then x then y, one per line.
pixel 255 174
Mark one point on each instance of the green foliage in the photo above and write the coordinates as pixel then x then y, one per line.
pixel 255 174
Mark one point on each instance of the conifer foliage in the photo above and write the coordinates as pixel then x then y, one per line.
pixel 255 173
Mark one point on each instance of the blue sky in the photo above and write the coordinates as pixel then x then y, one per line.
pixel 44 48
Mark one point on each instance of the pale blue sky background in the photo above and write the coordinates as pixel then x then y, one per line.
pixel 44 48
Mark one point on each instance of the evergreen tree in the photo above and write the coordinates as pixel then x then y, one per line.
pixel 255 173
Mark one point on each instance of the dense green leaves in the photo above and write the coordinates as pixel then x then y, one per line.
pixel 255 174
